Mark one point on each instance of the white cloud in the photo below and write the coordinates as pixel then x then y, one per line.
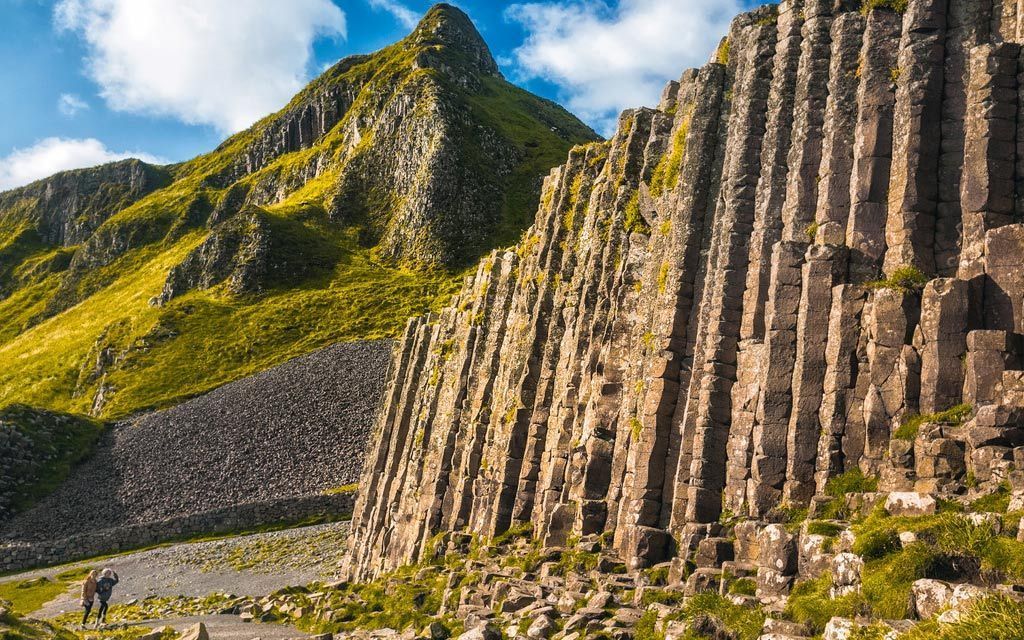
pixel 69 104
pixel 220 62
pixel 406 16
pixel 606 58
pixel 50 155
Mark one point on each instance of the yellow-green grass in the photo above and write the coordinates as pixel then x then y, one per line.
pixel 947 543
pixel 208 338
pixel 27 596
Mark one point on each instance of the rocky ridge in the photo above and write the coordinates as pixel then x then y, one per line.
pixel 792 288
pixel 378 182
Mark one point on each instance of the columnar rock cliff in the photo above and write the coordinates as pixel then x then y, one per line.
pixel 811 240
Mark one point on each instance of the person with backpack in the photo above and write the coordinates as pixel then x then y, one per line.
pixel 104 589
pixel 88 595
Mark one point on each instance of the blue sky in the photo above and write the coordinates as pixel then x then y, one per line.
pixel 87 81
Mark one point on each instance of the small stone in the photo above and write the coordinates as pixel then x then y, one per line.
pixel 484 631
pixel 838 629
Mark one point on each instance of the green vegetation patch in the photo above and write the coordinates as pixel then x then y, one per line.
pixel 995 618
pixel 903 279
pixel 912 424
pixel 949 546
pixel 899 6
pixel 13 627
pixel 666 174
pixel 745 623
pixel 26 596
pixel 852 481
pixel 40 448
pixel 633 220
pixel 996 502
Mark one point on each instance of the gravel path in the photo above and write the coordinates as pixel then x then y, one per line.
pixel 293 430
pixel 230 628
pixel 253 565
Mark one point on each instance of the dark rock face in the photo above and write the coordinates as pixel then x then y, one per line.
pixel 235 251
pixel 68 207
pixel 743 295
pixel 64 211
pixel 294 430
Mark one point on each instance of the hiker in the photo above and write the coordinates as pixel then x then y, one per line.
pixel 88 594
pixel 104 589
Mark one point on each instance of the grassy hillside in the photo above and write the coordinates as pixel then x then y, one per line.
pixel 284 239
pixel 39 448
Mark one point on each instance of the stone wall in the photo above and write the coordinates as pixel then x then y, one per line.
pixel 724 306
pixel 21 556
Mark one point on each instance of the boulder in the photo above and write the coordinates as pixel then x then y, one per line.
pixel 542 627
pixel 910 503
pixel 839 629
pixel 778 549
pixel 482 631
pixel 846 571
pixel 712 552
pixel 929 597
pixel 435 631
pixel 774 626
pixel 198 632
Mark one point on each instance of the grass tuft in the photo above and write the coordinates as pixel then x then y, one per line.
pixel 904 279
pixel 912 424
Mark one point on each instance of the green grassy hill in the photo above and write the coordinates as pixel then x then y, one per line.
pixel 129 287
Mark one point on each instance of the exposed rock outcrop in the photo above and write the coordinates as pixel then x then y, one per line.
pixel 800 265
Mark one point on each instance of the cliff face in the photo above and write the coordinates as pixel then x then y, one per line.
pixel 813 241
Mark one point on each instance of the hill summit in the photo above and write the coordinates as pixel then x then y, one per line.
pixel 130 286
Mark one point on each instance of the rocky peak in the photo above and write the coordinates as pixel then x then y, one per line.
pixel 450 31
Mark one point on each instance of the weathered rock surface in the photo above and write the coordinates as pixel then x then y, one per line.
pixel 742 295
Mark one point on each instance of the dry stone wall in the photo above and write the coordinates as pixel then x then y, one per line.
pixel 18 556
pixel 741 295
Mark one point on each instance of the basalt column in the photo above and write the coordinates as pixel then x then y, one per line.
pixel 715 362
pixel 833 207
pixel 872 145
pixel 771 187
pixel 685 210
pixel 839 394
pixel 824 268
pixel 913 190
pixel 967 26
pixel 566 192
pixel 812 92
pixel 988 187
pixel 768 466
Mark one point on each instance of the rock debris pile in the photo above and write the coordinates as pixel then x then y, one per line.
pixel 294 430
